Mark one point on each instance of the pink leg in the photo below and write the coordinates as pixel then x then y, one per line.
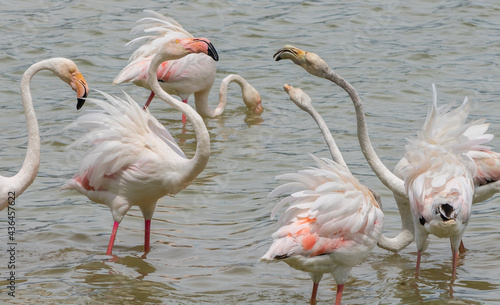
pixel 417 269
pixel 340 288
pixel 183 115
pixel 112 238
pixel 147 231
pixel 455 263
pixel 314 292
pixel 150 98
pixel 462 248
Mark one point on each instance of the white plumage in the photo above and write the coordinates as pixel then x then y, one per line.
pixel 332 221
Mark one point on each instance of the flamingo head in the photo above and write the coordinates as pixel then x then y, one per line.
pixel 251 98
pixel 198 45
pixel 299 97
pixel 68 71
pixel 311 62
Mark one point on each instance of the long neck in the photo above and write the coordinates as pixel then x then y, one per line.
pixel 200 158
pixel 390 180
pixel 334 150
pixel 31 163
pixel 202 97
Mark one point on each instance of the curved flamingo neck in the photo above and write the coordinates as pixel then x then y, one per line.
pixel 202 154
pixel 332 146
pixel 31 163
pixel 390 180
pixel 201 98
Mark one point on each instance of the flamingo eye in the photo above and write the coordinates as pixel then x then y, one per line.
pixel 177 41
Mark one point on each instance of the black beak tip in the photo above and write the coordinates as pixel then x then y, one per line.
pixel 212 52
pixel 80 102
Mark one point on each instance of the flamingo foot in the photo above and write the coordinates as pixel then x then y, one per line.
pixel 340 288
pixel 150 98
pixel 112 238
pixel 314 293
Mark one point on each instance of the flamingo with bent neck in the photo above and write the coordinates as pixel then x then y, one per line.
pixel 134 160
pixel 314 65
pixel 333 221
pixel 67 71
pixel 192 74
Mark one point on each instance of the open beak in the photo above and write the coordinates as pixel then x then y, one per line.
pixel 289 52
pixel 79 84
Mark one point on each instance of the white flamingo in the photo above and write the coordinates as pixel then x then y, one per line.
pixel 67 71
pixel 333 221
pixel 133 159
pixel 192 74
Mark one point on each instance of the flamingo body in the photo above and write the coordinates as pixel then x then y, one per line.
pixel 439 174
pixel 331 225
pixel 134 162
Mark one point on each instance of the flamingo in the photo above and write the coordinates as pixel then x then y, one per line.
pixel 134 160
pixel 192 74
pixel 439 175
pixel 67 71
pixel 313 64
pixel 333 221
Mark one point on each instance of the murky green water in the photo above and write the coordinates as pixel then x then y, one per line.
pixel 206 241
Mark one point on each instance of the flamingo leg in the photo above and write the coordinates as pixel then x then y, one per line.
pixel 147 231
pixel 314 292
pixel 455 263
pixel 183 115
pixel 150 98
pixel 417 269
pixel 462 248
pixel 340 288
pixel 112 238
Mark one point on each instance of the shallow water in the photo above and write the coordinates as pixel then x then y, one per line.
pixel 206 240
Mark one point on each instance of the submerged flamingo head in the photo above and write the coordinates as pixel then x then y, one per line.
pixel 199 45
pixel 252 100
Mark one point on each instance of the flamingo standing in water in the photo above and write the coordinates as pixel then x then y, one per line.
pixel 313 64
pixel 134 160
pixel 333 221
pixel 67 71
pixel 192 74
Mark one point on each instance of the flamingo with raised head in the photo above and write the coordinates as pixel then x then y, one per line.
pixel 332 222
pixel 192 74
pixel 67 71
pixel 134 160
pixel 313 64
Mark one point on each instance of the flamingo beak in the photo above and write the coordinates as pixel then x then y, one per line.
pixel 212 52
pixel 288 52
pixel 79 84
